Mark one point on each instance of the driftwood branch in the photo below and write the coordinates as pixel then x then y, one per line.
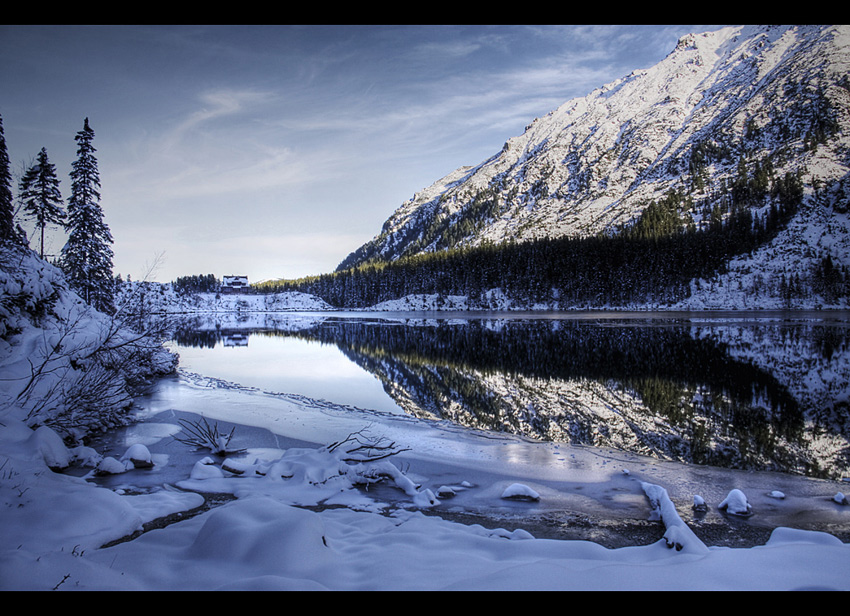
pixel 202 435
pixel 359 447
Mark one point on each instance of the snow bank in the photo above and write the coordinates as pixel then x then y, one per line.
pixel 265 541
pixel 62 363
pixel 160 298
pixel 53 526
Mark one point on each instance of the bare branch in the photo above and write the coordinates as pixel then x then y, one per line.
pixel 203 436
pixel 359 447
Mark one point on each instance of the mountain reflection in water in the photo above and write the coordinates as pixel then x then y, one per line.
pixel 757 393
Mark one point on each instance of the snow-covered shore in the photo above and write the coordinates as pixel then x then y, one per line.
pixel 272 538
pixel 62 362
pixel 301 518
pixel 712 295
pixel 300 521
pixel 160 298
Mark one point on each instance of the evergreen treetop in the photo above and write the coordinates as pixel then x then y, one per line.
pixel 7 217
pixel 39 192
pixel 87 255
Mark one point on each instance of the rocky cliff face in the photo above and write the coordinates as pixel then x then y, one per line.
pixel 721 104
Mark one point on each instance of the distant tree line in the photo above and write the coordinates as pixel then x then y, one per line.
pixel 654 259
pixel 204 283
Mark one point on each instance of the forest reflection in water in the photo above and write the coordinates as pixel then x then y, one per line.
pixel 754 393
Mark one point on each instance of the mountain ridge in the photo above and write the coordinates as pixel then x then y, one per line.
pixel 741 95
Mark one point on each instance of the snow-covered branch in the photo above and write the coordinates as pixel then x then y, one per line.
pixel 678 535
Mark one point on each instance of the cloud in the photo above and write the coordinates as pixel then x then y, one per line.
pixel 226 143
pixel 232 131
pixel 221 103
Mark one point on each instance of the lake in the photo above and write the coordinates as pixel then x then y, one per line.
pixel 739 390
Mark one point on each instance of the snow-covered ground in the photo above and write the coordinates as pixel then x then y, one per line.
pixel 364 535
pixel 161 298
pixel 53 524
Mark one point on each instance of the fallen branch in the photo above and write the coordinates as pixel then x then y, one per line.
pixel 203 436
pixel 678 534
pixel 357 447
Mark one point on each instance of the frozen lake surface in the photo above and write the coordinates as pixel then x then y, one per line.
pixel 310 379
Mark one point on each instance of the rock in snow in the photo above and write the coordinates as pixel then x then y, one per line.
pixel 111 466
pixel 736 503
pixel 139 455
pixel 206 469
pixel 518 491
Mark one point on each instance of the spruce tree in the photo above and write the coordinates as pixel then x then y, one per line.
pixel 87 255
pixel 39 192
pixel 7 211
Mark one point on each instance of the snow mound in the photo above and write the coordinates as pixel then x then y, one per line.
pixel 51 447
pixel 518 491
pixel 263 532
pixel 736 503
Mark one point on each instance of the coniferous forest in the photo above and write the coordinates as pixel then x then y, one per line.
pixel 203 283
pixel 86 257
pixel 655 259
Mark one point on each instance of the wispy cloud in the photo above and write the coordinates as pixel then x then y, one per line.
pixel 301 131
pixel 222 145
pixel 221 103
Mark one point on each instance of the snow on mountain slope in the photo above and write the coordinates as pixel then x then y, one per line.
pixel 592 165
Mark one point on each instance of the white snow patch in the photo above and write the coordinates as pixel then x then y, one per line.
pixel 520 491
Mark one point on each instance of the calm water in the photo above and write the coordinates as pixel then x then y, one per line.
pixel 741 390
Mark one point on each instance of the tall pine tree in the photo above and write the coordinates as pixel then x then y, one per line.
pixel 7 210
pixel 87 255
pixel 39 191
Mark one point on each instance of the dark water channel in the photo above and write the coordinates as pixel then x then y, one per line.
pixel 760 391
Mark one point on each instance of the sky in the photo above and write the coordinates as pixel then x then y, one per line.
pixel 274 151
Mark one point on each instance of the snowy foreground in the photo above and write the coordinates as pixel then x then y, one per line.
pixel 54 524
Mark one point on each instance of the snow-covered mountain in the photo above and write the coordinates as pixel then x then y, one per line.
pixel 737 98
